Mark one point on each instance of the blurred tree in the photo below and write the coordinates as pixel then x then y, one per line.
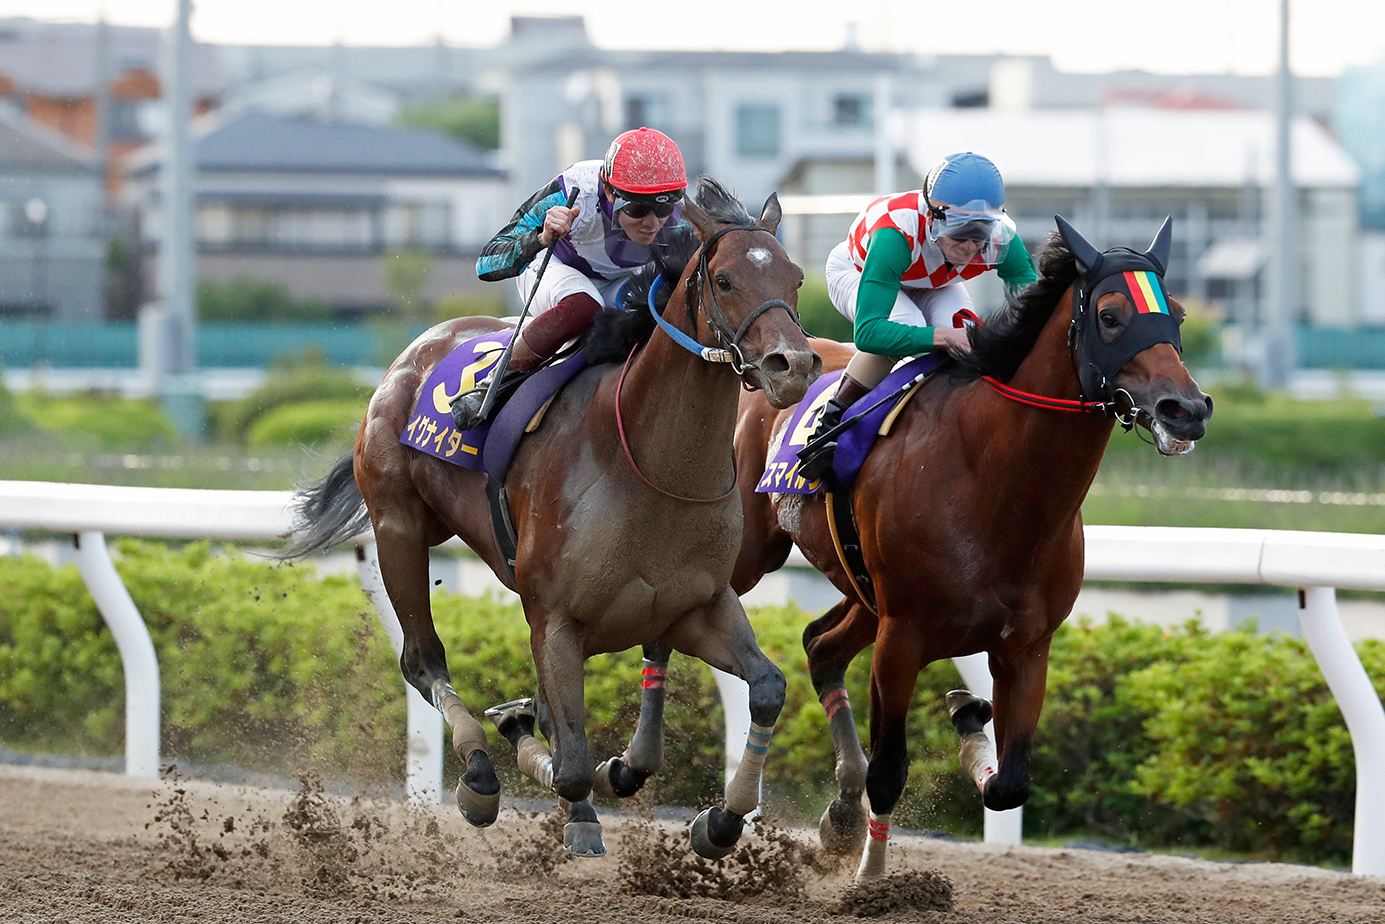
pixel 468 118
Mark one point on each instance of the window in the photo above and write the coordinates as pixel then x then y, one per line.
pixel 757 130
pixel 416 224
pixel 851 110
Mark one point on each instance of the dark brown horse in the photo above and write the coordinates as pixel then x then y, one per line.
pixel 626 511
pixel 969 514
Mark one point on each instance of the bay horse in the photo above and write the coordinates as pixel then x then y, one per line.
pixel 969 516
pixel 626 511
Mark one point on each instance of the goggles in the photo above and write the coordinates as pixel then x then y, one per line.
pixel 976 222
pixel 661 204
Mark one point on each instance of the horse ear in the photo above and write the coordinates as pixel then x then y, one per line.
pixel 1088 257
pixel 771 214
pixel 1163 242
pixel 702 223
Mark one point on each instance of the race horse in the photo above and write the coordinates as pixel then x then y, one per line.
pixel 969 517
pixel 625 510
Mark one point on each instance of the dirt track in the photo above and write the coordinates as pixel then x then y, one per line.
pixel 91 847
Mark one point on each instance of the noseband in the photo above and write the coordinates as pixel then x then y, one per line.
pixel 716 318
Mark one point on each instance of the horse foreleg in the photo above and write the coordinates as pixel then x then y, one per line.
pixel 720 634
pixel 403 556
pixel 622 777
pixel 894 671
pixel 831 642
pixel 558 661
pixel 1020 682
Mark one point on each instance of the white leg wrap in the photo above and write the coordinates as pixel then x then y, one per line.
pixel 743 792
pixel 467 733
pixel 535 762
pixel 978 758
pixel 873 857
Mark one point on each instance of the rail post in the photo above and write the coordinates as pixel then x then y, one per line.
pixel 1364 717
pixel 138 660
pixel 1005 827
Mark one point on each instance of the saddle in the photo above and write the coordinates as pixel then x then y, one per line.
pixel 491 447
pixel 864 422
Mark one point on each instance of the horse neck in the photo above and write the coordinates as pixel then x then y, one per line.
pixel 679 411
pixel 1051 457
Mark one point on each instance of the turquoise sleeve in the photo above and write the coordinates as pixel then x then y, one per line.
pixel 887 259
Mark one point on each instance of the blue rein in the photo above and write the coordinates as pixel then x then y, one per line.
pixel 710 354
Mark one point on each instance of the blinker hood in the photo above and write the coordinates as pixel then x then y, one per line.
pixel 1140 276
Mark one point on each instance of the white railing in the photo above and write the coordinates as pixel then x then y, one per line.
pixel 1317 563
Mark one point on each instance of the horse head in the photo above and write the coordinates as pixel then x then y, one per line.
pixel 743 275
pixel 1126 339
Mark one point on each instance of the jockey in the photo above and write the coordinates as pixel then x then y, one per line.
pixel 627 205
pixel 898 278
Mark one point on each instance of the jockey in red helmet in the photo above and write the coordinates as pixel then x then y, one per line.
pixel 898 277
pixel 628 204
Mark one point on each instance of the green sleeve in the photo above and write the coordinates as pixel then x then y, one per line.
pixel 1017 269
pixel 887 259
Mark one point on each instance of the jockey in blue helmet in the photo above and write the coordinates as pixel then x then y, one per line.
pixel 898 277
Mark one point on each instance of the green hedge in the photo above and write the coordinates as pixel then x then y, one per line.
pixel 1149 736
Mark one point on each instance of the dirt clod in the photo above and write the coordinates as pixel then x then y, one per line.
pixel 926 890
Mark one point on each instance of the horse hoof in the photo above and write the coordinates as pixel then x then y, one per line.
pixel 616 779
pixel 842 830
pixel 969 712
pixel 583 839
pixel 702 843
pixel 479 810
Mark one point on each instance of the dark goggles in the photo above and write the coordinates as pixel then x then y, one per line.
pixel 637 207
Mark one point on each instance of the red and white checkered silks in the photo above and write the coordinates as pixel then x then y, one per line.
pixel 928 269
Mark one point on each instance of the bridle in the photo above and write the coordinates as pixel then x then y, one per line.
pixel 700 280
pixel 1116 401
pixel 729 352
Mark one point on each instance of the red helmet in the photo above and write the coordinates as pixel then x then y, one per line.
pixel 643 162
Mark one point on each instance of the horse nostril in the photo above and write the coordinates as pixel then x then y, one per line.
pixel 1171 409
pixel 1207 415
pixel 775 364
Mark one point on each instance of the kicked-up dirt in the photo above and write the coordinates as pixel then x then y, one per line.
pixel 79 846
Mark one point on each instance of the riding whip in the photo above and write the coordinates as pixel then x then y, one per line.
pixel 503 366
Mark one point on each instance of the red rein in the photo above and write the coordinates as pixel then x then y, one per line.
pixel 625 444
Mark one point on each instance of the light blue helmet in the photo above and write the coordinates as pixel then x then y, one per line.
pixel 965 181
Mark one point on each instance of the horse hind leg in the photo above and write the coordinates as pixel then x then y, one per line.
pixel 403 559
pixel 515 721
pixel 621 777
pixel 831 642
pixel 478 789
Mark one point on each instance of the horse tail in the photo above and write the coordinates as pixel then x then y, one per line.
pixel 326 513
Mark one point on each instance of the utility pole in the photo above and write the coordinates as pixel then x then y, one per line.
pixel 1283 282
pixel 180 390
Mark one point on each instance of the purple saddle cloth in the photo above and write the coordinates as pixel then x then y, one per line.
pixel 854 444
pixel 490 447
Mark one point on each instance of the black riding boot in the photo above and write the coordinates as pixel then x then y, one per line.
pixel 815 458
pixel 466 407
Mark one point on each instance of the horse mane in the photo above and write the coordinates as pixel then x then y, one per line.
pixel 616 331
pixel 1001 344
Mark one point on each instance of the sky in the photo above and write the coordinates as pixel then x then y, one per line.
pixel 1166 36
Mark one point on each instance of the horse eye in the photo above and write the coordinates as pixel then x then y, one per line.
pixel 723 283
pixel 1110 319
